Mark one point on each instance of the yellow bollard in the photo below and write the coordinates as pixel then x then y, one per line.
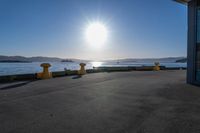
pixel 157 66
pixel 45 74
pixel 82 70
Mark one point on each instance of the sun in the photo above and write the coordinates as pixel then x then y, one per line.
pixel 96 34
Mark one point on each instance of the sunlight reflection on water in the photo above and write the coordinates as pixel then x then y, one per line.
pixel 96 63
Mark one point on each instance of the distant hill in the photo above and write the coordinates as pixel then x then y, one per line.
pixel 12 58
pixel 184 60
pixel 150 60
pixel 55 59
pixel 32 59
pixel 43 59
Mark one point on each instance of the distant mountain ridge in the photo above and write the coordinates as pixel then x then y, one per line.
pixel 150 60
pixel 32 59
pixel 184 60
pixel 55 59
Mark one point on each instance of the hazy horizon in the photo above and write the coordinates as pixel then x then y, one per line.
pixel 96 59
pixel 57 28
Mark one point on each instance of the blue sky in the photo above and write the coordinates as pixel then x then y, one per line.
pixel 56 28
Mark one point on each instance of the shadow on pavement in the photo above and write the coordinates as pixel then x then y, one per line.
pixel 77 77
pixel 15 85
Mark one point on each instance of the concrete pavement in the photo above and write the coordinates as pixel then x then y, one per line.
pixel 119 102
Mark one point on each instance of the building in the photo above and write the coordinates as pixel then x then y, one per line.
pixel 193 51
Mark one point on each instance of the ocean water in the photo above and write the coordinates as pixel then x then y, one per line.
pixel 34 67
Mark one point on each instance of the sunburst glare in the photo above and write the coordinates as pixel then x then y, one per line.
pixel 96 34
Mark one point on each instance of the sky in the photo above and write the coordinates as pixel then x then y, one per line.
pixel 56 28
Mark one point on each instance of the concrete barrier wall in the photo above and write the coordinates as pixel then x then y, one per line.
pixel 24 77
pixel 18 77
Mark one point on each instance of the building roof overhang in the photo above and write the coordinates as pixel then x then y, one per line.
pixel 183 1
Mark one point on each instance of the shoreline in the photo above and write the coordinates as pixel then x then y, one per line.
pixel 33 76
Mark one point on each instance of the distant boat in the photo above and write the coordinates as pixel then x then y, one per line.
pixel 67 60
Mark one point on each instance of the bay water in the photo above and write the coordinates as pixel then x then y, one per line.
pixel 34 67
